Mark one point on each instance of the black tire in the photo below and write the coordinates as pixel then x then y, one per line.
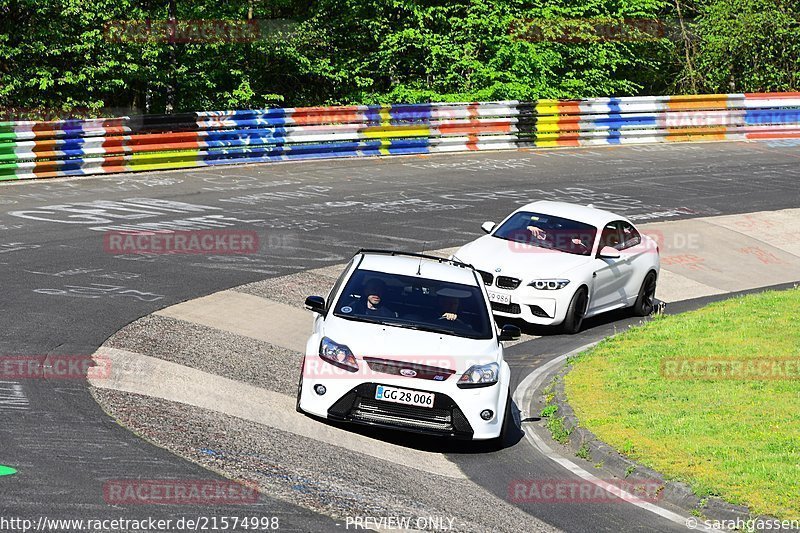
pixel 300 388
pixel 575 312
pixel 508 427
pixel 646 301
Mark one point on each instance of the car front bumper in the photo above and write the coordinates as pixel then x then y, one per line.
pixel 455 413
pixel 544 308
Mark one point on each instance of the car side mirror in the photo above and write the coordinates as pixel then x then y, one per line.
pixel 509 333
pixel 488 226
pixel 316 304
pixel 609 252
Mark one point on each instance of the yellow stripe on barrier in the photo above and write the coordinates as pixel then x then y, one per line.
pixel 389 132
pixel 158 161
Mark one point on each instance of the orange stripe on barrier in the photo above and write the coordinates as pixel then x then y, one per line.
pixel 687 134
pixel 773 135
pixel 699 102
pixel 325 115
pixel 114 164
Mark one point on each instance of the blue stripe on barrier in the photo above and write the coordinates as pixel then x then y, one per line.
pixel 613 106
pixel 617 121
pixel 411 114
pixel 772 116
pixel 373 113
pixel 410 146
pixel 614 137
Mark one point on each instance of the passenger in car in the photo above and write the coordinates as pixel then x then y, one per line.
pixel 448 307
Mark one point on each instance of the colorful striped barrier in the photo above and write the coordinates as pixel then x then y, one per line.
pixel 185 140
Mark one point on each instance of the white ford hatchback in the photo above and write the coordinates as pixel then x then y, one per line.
pixel 407 341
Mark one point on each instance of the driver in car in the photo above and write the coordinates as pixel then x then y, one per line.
pixel 549 235
pixel 371 303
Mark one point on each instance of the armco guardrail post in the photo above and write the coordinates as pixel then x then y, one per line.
pixel 30 149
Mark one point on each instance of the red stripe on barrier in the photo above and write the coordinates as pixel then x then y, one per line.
pixel 772 95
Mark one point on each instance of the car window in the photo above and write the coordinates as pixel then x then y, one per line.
pixel 630 237
pixel 338 284
pixel 610 237
pixel 416 303
pixel 547 231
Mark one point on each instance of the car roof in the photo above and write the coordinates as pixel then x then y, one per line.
pixel 580 213
pixel 405 265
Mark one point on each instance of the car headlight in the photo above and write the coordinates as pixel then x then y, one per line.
pixel 479 376
pixel 548 284
pixel 338 355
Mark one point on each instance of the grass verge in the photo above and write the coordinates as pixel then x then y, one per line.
pixel 687 396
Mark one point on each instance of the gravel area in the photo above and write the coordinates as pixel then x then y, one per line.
pixel 293 289
pixel 212 350
pixel 327 479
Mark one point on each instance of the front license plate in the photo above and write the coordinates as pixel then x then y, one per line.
pixel 499 297
pixel 404 396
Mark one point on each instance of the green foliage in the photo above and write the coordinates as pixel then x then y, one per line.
pixel 549 411
pixel 64 54
pixel 753 45
pixel 583 452
pixel 558 429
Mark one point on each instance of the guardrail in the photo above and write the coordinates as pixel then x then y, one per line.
pixel 151 142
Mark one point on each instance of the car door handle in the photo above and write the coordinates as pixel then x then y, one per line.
pixel 594 275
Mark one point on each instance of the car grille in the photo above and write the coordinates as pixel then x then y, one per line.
pixel 360 406
pixel 403 415
pixel 488 279
pixel 506 282
pixel 394 367
pixel 512 309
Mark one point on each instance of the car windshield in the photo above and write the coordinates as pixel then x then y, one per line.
pixel 415 303
pixel 547 231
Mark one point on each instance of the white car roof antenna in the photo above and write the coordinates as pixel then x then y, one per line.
pixel 419 266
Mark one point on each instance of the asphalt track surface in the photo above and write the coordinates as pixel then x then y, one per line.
pixel 63 293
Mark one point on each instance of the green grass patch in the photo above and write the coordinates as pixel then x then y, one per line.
pixel 738 439
pixel 560 432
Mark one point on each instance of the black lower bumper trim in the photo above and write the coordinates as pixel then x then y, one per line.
pixel 443 419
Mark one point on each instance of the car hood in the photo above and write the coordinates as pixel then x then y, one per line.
pixel 408 345
pixel 518 259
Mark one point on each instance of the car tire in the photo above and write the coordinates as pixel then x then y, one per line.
pixel 300 388
pixel 575 312
pixel 646 300
pixel 507 429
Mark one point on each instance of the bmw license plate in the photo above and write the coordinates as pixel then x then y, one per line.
pixel 499 297
pixel 404 396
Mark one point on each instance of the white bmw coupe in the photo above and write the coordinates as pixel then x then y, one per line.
pixel 554 263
